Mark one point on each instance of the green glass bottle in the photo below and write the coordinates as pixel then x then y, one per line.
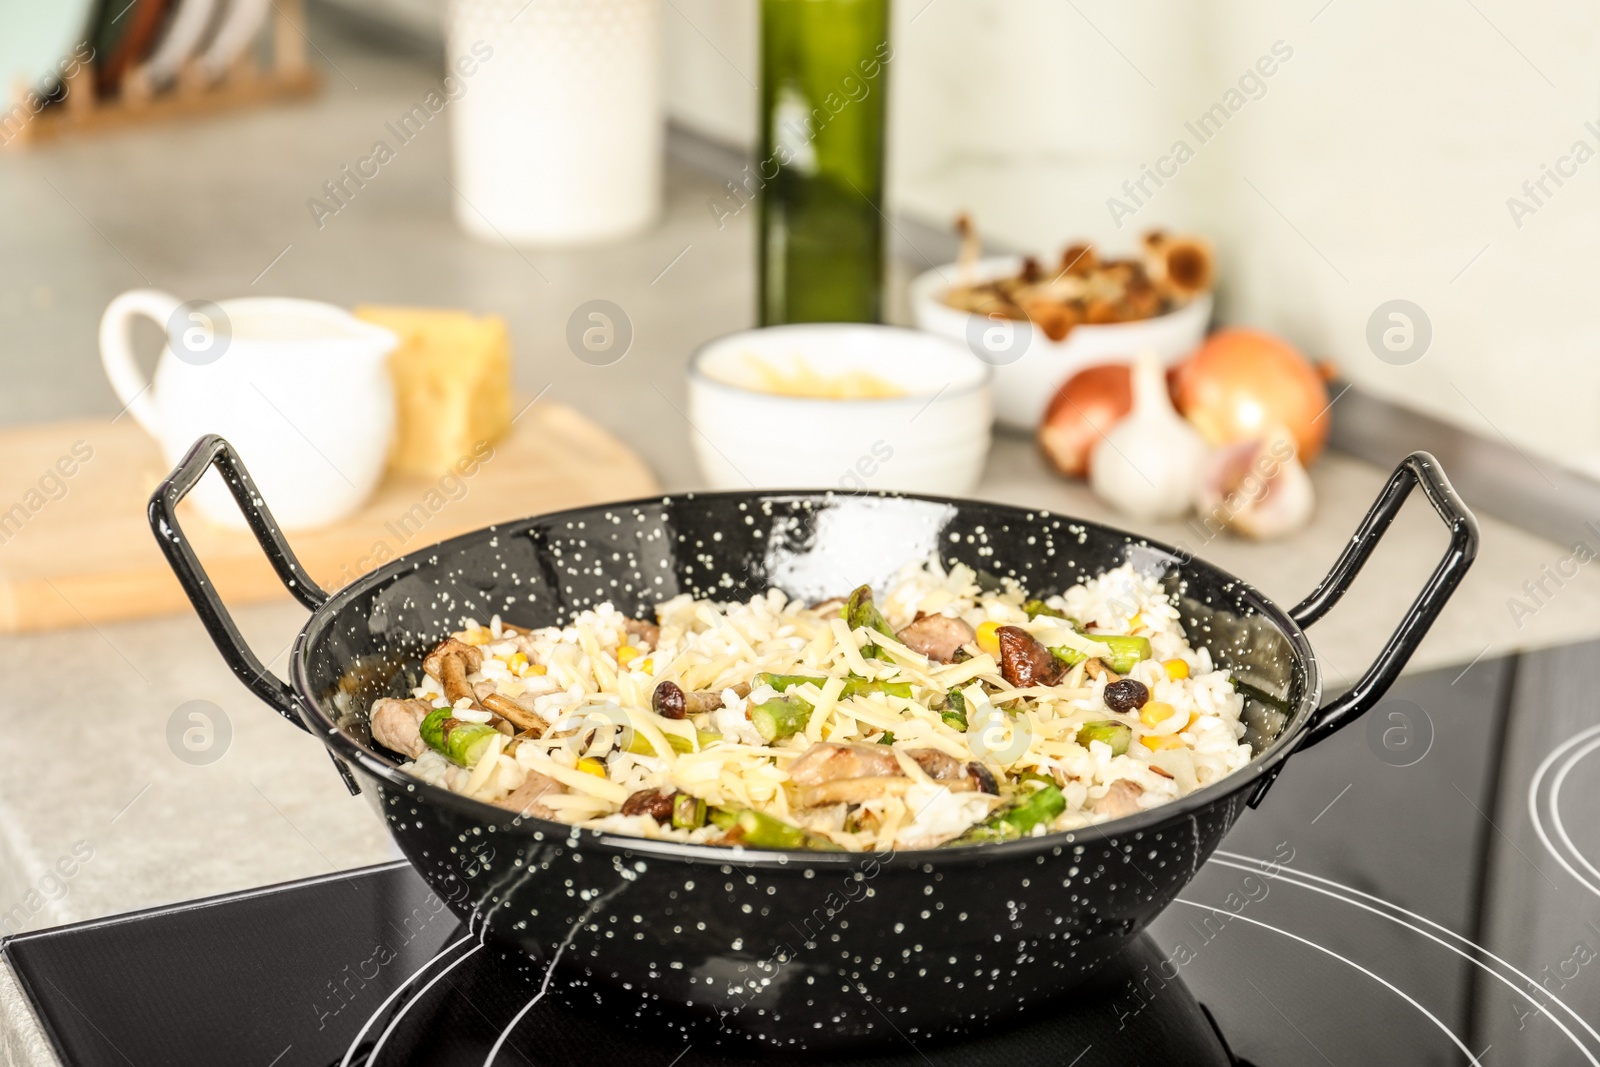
pixel 824 80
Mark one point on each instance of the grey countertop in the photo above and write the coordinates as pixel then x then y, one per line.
pixel 203 209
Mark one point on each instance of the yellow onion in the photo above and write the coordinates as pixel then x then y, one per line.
pixel 1083 409
pixel 1240 382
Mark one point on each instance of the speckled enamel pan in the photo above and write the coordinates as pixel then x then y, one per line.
pixel 793 948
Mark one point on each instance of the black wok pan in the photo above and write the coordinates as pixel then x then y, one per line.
pixel 802 948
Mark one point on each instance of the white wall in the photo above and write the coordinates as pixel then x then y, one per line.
pixel 713 66
pixel 1376 165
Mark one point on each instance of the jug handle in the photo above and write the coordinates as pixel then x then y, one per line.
pixel 116 349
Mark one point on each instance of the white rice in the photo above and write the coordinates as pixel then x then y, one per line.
pixel 589 684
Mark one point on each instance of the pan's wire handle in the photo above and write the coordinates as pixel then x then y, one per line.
pixel 212 451
pixel 1417 469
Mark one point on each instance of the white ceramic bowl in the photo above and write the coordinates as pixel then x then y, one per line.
pixel 1025 382
pixel 933 439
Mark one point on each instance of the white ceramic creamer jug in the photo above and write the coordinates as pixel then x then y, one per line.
pixel 300 389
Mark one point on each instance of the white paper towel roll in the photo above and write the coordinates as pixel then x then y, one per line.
pixel 558 136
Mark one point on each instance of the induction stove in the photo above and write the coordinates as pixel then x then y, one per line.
pixel 1422 889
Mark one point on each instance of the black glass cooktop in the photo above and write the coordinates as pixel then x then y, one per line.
pixel 370 967
pixel 1419 890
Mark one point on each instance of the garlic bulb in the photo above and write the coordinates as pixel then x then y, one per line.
pixel 1257 488
pixel 1146 465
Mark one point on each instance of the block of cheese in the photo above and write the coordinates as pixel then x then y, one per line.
pixel 452 378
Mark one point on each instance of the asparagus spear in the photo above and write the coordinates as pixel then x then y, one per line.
pixel 955 711
pixel 780 717
pixel 688 812
pixel 860 611
pixel 754 829
pixel 1126 650
pixel 853 684
pixel 1035 608
pixel 639 746
pixel 1018 820
pixel 1113 733
pixel 460 742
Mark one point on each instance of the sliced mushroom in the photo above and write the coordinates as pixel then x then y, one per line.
pixel 449 664
pixel 1024 661
pixel 395 725
pixel 953 774
pixel 833 605
pixel 939 637
pixel 671 702
pixel 1096 668
pixel 652 802
pixel 434 661
pixel 828 761
pixel 937 765
pixel 853 790
pixel 481 691
pixel 509 709
pixel 526 798
pixel 1122 798
pixel 831 773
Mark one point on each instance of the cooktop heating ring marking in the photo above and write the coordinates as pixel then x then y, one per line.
pixel 1342 959
pixel 1569 760
pixel 401 988
pixel 372 1057
pixel 1293 878
pixel 549 972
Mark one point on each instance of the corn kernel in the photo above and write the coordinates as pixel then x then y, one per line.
pixel 987 638
pixel 1155 712
pixel 626 655
pixel 476 636
pixel 1159 742
pixel 536 668
pixel 590 765
pixel 1194 717
pixel 1176 669
pixel 648 666
pixel 1135 621
pixel 517 663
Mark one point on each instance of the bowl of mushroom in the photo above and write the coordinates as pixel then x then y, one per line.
pixel 1038 324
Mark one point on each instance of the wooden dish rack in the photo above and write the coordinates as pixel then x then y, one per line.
pixel 245 84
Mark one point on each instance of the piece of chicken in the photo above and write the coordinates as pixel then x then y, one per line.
pixel 642 634
pixel 395 725
pixel 1122 798
pixel 526 798
pixel 939 637
pixel 831 773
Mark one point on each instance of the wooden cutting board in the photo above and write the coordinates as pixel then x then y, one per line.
pixel 76 548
